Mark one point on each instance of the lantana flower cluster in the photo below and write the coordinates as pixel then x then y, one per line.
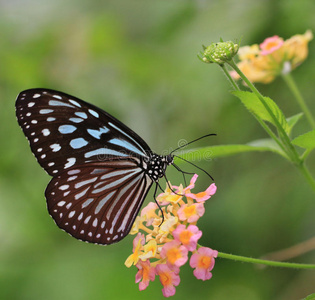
pixel 273 57
pixel 162 243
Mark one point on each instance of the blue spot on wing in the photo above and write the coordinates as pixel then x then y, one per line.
pixel 65 129
pixel 78 143
pixel 96 133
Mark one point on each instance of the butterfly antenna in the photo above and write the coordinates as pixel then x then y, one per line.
pixel 194 166
pixel 186 144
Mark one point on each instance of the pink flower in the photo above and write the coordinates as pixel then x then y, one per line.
pixel 146 273
pixel 189 187
pixel 149 212
pixel 138 242
pixel 168 278
pixel 270 45
pixel 203 262
pixel 191 213
pixel 187 236
pixel 175 254
pixel 203 196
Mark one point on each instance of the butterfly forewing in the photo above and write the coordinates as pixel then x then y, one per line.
pixel 98 203
pixel 64 131
pixel 102 170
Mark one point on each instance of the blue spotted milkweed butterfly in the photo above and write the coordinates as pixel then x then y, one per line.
pixel 101 169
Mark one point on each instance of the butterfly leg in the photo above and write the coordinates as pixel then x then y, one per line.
pixel 154 196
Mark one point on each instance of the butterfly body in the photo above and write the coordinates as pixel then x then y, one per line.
pixel 101 169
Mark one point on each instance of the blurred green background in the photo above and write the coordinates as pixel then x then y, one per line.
pixel 137 60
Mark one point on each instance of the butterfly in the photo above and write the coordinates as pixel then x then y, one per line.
pixel 101 169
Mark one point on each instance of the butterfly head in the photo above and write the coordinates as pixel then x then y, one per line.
pixel 155 165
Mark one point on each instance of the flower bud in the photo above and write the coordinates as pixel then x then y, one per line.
pixel 219 52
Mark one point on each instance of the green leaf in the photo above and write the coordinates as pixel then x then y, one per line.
pixel 310 297
pixel 255 106
pixel 293 120
pixel 306 140
pixel 209 153
pixel 268 144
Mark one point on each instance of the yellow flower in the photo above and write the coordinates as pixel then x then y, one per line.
pixel 137 246
pixel 275 57
pixel 248 52
pixel 149 250
pixel 296 49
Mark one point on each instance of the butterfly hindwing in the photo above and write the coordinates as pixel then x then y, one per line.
pixel 98 203
pixel 64 131
pixel 102 170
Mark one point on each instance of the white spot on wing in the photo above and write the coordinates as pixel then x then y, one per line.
pixel 46 132
pixel 72 172
pixel 81 194
pixel 71 162
pixel 31 104
pixel 87 219
pixel 95 222
pixel 82 183
pixel 45 111
pixel 36 95
pixel 64 187
pixel 55 147
pixel 87 202
pixel 103 201
pixel 80 216
pixel 71 214
pixel 50 119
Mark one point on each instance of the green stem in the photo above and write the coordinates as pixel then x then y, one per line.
pixel 287 147
pixel 286 140
pixel 265 262
pixel 267 129
pixel 306 173
pixel 298 96
pixel 227 74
